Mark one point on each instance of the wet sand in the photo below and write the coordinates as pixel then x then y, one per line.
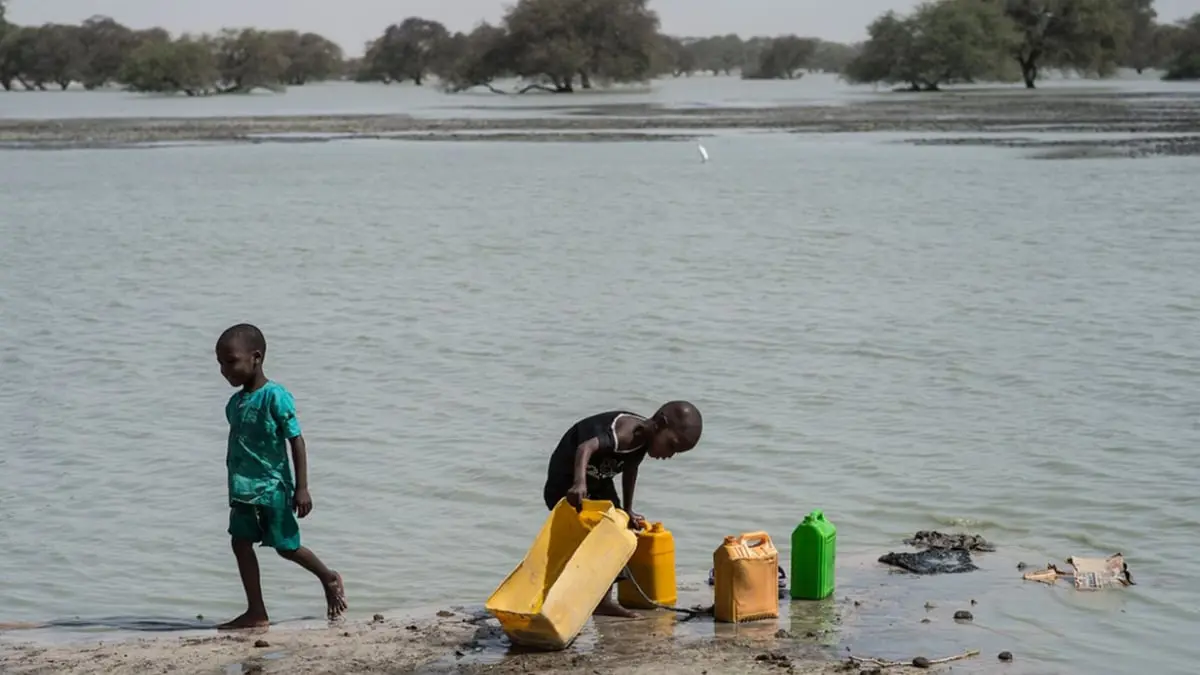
pixel 876 613
pixel 451 642
pixel 1173 118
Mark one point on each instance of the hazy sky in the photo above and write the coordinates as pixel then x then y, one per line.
pixel 353 22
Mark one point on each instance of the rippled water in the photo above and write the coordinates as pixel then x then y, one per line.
pixel 906 337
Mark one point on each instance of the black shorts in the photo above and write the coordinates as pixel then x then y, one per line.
pixel 597 489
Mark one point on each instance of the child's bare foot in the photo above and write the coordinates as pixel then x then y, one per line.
pixel 609 608
pixel 335 598
pixel 245 621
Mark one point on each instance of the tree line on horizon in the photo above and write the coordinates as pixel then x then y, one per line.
pixel 565 45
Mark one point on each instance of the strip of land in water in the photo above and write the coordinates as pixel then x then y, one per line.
pixel 1162 123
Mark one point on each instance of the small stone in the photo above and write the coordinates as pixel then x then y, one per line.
pixel 782 634
pixel 261 644
pixel 377 618
pixel 411 626
pixel 963 615
pixel 458 654
pixel 857 603
pixel 921 662
pixel 925 621
pixel 1006 656
pixel 811 634
pixel 445 613
pixel 1021 566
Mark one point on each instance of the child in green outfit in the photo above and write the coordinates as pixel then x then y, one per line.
pixel 263 499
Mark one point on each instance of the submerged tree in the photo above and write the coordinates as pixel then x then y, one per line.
pixel 408 51
pixel 782 58
pixel 186 65
pixel 1184 63
pixel 942 42
pixel 1086 36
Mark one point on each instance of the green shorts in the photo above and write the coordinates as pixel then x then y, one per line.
pixel 273 524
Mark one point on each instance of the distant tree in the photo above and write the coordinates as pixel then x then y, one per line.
pixel 249 59
pixel 1086 36
pixel 186 65
pixel 1184 63
pixel 106 45
pixel 482 57
pixel 1140 50
pixel 556 42
pixel 406 51
pixel 832 57
pixel 310 57
pixel 942 42
pixel 782 59
pixel 675 57
pixel 720 54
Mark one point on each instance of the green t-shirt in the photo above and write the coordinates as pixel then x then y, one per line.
pixel 260 424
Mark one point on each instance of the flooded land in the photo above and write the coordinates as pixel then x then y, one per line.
pixel 1158 123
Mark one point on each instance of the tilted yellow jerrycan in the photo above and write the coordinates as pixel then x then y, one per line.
pixel 548 598
pixel 746 579
pixel 653 568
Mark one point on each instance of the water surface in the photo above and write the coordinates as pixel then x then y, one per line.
pixel 906 337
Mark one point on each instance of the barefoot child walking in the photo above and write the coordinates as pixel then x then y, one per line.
pixel 264 501
pixel 599 447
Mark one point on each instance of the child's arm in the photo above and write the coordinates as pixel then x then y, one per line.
pixel 302 500
pixel 628 483
pixel 583 454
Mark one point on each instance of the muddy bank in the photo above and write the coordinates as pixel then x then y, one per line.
pixel 949 112
pixel 452 642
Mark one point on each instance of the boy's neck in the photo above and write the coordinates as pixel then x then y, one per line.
pixel 259 381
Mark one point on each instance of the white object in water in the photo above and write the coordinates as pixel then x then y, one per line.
pixel 703 152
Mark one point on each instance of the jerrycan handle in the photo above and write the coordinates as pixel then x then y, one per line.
pixel 759 539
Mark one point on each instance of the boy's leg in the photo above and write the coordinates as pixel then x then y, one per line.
pixel 282 532
pixel 244 530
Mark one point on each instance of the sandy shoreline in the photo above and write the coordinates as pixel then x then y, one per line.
pixel 451 642
pixel 1169 117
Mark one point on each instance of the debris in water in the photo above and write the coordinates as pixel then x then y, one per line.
pixel 956 542
pixel 932 561
pixel 1089 574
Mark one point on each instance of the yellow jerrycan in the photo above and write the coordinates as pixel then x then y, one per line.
pixel 546 600
pixel 653 568
pixel 746 579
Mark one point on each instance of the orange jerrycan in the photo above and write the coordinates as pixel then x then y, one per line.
pixel 746 579
pixel 548 598
pixel 653 568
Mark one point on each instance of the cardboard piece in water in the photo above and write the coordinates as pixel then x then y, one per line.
pixel 1093 574
pixel 1089 574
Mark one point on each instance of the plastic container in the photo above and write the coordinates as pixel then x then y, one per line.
pixel 546 600
pixel 814 549
pixel 746 579
pixel 653 568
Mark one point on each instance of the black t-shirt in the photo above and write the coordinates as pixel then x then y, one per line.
pixel 606 462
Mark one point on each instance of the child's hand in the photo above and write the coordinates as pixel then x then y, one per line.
pixel 302 502
pixel 576 495
pixel 636 521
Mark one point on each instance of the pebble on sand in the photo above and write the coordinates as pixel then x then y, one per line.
pixel 261 644
pixel 921 662
pixel 963 615
pixel 1006 656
